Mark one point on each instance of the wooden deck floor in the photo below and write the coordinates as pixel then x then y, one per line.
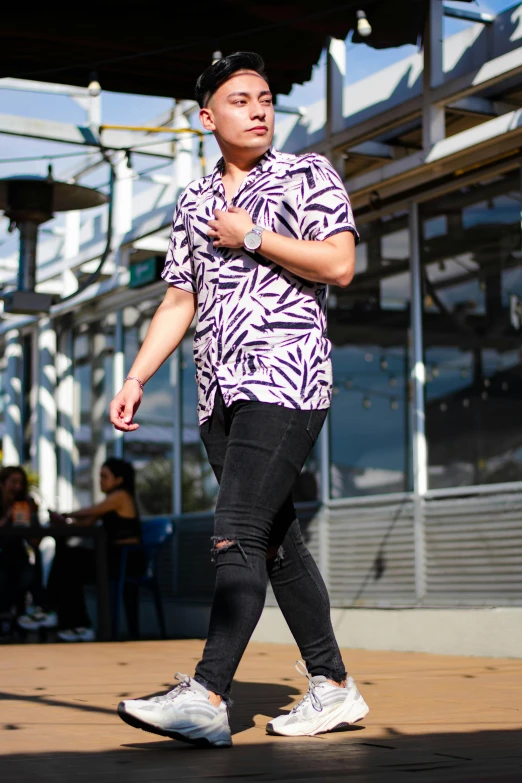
pixel 432 718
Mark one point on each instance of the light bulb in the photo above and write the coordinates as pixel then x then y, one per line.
pixel 364 28
pixel 216 57
pixel 94 88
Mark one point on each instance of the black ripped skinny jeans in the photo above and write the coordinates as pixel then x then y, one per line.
pixel 257 450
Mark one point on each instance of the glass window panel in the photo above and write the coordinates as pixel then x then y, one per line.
pixel 84 402
pixel 368 327
pixel 150 448
pixel 199 485
pixel 472 333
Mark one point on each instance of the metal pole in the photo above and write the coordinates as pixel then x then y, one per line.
pixel 175 380
pixel 47 412
pixel 12 440
pixel 65 413
pixel 99 406
pixel 335 72
pixel 417 380
pixel 433 117
pixel 27 263
pixel 119 376
pixel 324 531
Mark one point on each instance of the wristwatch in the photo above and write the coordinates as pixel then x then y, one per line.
pixel 252 240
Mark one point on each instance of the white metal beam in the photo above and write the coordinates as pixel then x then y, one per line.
pixel 488 139
pixel 335 72
pixel 372 149
pixel 48 130
pixel 500 68
pixel 67 133
pixel 27 85
pixel 433 116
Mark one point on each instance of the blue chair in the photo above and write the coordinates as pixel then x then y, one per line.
pixel 154 534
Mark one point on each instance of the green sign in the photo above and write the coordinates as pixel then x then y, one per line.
pixel 145 272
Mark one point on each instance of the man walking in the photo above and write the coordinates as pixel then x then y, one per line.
pixel 253 247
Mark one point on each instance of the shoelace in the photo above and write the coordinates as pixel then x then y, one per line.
pixel 310 695
pixel 184 685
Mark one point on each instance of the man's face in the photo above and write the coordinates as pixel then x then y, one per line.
pixel 241 113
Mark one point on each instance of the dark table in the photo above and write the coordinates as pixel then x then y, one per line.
pixel 97 534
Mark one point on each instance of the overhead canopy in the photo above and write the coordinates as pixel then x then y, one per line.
pixel 160 50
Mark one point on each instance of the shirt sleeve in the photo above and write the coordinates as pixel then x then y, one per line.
pixel 179 267
pixel 325 208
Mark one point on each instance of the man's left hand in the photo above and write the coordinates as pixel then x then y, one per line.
pixel 229 228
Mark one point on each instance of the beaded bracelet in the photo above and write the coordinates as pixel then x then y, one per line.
pixel 133 378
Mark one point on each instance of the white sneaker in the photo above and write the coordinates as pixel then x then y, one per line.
pixel 77 635
pixel 324 707
pixel 38 619
pixel 184 713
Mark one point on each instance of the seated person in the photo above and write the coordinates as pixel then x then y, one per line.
pixel 17 508
pixel 74 566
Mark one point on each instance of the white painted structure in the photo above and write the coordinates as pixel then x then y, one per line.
pixel 366 129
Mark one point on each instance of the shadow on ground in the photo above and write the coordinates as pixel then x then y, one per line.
pixel 469 757
pixel 492 757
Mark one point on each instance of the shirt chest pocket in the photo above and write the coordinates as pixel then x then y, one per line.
pixel 277 209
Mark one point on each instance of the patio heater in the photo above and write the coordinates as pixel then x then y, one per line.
pixel 29 201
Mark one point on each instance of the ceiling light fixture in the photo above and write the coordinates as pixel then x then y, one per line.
pixel 364 28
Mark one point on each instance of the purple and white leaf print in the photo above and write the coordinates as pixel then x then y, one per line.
pixel 261 330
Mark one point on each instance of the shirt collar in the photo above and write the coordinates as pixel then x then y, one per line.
pixel 262 165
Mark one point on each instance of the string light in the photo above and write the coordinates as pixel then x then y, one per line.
pixel 392 381
pixel 394 404
pixel 367 403
pixel 465 403
pixel 364 28
pixel 384 363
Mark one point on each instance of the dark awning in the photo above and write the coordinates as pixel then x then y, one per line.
pixel 160 50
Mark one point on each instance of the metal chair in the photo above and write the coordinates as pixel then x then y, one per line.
pixel 154 534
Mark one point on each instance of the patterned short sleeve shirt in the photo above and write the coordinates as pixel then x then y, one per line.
pixel 261 331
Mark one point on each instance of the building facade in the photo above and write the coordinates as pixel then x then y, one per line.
pixel 413 495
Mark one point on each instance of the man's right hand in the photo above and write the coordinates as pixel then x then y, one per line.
pixel 124 406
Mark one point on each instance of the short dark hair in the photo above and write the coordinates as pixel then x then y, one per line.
pixel 222 70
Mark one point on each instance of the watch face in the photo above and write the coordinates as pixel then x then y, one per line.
pixel 252 240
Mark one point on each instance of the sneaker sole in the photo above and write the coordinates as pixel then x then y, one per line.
pixel 136 723
pixel 342 724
